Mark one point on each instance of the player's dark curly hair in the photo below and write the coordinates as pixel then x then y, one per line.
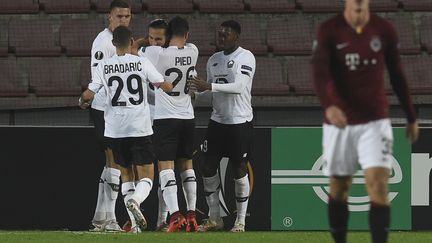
pixel 158 24
pixel 178 26
pixel 234 25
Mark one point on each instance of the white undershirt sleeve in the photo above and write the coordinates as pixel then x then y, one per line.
pixel 241 80
pixel 97 80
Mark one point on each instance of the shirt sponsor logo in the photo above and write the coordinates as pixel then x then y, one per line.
pixel 342 45
pixel 352 60
pixel 375 44
pixel 230 64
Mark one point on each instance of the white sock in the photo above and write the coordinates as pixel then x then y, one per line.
pixel 128 189
pixel 169 189
pixel 189 188
pixel 242 198
pixel 100 211
pixel 163 209
pixel 111 189
pixel 211 192
pixel 142 190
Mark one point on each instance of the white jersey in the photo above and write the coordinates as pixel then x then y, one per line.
pixel 231 77
pixel 176 65
pixel 125 80
pixel 102 49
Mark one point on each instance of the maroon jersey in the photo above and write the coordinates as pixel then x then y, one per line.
pixel 349 69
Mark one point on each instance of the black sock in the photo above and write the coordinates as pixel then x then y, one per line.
pixel 379 222
pixel 338 219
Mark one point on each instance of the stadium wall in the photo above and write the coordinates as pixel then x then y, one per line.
pixel 50 177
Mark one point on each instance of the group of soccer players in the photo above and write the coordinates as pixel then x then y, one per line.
pixel 128 78
pixel 350 55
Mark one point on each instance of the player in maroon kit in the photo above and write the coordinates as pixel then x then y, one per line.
pixel 350 55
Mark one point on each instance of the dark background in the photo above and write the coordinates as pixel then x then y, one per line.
pixel 49 179
pixel 421 215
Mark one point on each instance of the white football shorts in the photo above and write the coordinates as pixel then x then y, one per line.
pixel 368 145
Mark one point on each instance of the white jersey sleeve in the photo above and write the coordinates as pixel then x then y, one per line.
pixel 102 49
pixel 206 96
pixel 151 53
pixel 244 71
pixel 97 80
pixel 153 76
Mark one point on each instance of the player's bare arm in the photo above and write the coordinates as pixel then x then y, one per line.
pixel 412 131
pixel 399 83
pixel 138 43
pixel 165 86
pixel 85 99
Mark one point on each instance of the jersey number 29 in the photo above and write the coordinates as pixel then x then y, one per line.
pixel 138 90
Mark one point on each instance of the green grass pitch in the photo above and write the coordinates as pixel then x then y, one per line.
pixel 225 237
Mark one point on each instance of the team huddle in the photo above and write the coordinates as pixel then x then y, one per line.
pixel 148 85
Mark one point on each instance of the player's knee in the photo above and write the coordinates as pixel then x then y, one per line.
pixel 183 164
pixel 339 188
pixel 340 196
pixel 127 175
pixel 377 188
pixel 208 171
pixel 239 167
pixel 145 170
pixel 209 166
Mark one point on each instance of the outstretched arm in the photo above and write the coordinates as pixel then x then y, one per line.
pixel 137 44
pixel 400 84
pixel 323 79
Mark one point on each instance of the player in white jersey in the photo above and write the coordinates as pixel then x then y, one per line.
pixel 157 31
pixel 157 36
pixel 229 134
pixel 127 116
pixel 174 121
pixel 104 218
